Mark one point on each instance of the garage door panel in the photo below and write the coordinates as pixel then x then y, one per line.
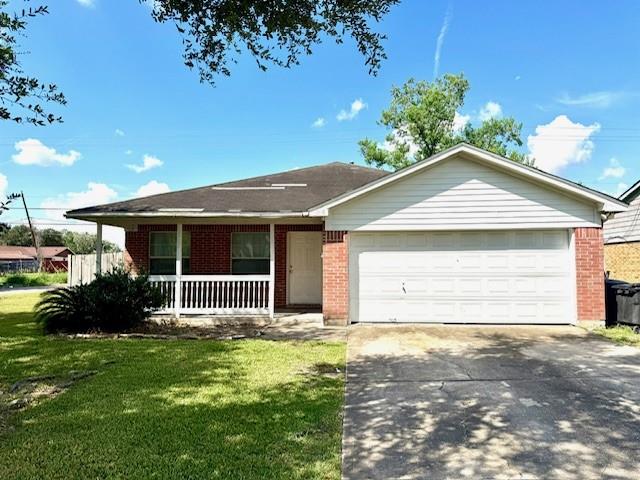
pixel 458 277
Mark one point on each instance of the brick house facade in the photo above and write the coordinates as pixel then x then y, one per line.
pixel 465 236
pixel 211 249
pixel 589 274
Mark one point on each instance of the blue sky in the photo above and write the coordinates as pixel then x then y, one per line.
pixel 570 71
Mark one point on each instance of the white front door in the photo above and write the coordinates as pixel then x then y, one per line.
pixel 513 276
pixel 304 254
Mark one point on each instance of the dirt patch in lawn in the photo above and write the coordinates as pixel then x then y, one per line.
pixel 32 390
pixel 172 331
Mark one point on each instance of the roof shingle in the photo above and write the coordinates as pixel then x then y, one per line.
pixel 291 191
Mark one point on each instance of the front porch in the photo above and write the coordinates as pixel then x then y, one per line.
pixel 231 269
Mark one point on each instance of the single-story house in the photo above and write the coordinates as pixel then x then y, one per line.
pixel 622 239
pixel 465 236
pixel 54 259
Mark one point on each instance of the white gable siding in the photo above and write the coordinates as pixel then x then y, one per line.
pixel 460 194
pixel 624 226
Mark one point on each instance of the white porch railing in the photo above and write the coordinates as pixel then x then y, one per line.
pixel 215 294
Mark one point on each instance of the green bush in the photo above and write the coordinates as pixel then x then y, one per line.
pixel 113 302
pixel 33 279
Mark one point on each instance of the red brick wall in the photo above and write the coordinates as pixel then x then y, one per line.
pixel 590 273
pixel 211 249
pixel 335 277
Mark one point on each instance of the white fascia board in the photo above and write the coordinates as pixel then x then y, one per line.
pixel 97 215
pixel 605 203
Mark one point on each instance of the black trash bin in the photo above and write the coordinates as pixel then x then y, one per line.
pixel 611 305
pixel 628 300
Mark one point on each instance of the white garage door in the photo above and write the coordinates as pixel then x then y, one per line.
pixel 462 277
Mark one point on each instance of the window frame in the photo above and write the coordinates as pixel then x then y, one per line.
pixel 232 258
pixel 160 257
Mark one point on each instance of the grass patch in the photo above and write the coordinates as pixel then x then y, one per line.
pixel 620 334
pixel 244 409
pixel 32 279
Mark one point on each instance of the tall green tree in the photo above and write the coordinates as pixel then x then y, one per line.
pixel 277 33
pixel 18 236
pixel 50 237
pixel 421 120
pixel 23 97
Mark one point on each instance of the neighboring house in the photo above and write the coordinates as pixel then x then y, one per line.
pixel 54 259
pixel 622 239
pixel 465 236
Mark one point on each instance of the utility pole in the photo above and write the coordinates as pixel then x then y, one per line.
pixel 34 237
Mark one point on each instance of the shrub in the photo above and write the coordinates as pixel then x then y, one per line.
pixel 122 301
pixel 113 302
pixel 68 309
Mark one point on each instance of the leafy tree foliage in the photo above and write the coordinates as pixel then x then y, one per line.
pixel 50 237
pixel 273 32
pixel 82 243
pixel 78 242
pixel 18 235
pixel 22 96
pixel 421 120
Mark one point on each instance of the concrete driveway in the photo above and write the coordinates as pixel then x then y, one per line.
pixel 433 402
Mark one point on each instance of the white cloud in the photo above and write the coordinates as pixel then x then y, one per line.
pixel 148 162
pixel 561 142
pixel 356 106
pixel 128 152
pixel 440 41
pixel 95 194
pixel 152 188
pixel 489 111
pixel 460 121
pixel 614 170
pixel 319 122
pixel 602 99
pixel 87 3
pixel 118 132
pixel 33 152
pixel 4 183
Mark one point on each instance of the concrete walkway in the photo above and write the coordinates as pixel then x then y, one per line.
pixel 17 290
pixel 432 402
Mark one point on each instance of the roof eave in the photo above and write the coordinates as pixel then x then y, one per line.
pixel 92 216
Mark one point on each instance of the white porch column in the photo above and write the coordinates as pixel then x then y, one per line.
pixel 272 269
pixel 178 295
pixel 98 248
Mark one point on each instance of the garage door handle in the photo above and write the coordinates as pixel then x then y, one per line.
pixel 404 289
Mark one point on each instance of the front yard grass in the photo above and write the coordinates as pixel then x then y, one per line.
pixel 620 334
pixel 244 409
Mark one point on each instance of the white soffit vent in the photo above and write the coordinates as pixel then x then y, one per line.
pixel 181 209
pixel 247 188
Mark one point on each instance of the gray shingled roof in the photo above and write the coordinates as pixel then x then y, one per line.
pixel 291 191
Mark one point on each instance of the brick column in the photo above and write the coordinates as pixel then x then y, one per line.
pixel 590 274
pixel 335 278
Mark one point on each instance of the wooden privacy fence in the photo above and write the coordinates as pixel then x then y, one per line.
pixel 82 268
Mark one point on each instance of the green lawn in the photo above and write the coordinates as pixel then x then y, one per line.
pixel 620 334
pixel 32 279
pixel 244 409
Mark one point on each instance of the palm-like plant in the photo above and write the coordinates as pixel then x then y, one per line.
pixel 66 309
pixel 113 302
